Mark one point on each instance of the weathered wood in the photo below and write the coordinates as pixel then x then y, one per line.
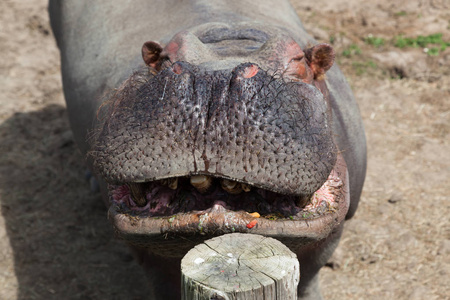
pixel 240 266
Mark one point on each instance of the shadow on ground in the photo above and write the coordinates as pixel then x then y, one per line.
pixel 63 244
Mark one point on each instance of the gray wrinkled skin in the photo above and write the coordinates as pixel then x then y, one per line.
pixel 259 130
pixel 135 124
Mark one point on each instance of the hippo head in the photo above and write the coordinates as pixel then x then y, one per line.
pixel 225 129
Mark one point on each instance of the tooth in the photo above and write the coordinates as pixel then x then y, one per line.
pixel 172 183
pixel 245 187
pixel 138 194
pixel 230 186
pixel 303 201
pixel 201 182
pixel 255 214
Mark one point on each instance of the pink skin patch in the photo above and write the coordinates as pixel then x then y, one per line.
pixel 293 63
pixel 326 195
pixel 177 69
pixel 121 195
pixel 172 50
pixel 251 71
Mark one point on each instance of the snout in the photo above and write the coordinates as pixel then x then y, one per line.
pixel 242 124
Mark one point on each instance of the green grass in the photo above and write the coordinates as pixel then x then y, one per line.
pixel 333 39
pixel 400 13
pixel 420 41
pixel 434 51
pixel 374 41
pixel 425 42
pixel 353 49
pixel 432 44
pixel 362 67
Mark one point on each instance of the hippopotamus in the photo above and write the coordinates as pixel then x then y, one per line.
pixel 201 118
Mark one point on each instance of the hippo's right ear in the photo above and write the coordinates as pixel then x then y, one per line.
pixel 151 53
pixel 320 59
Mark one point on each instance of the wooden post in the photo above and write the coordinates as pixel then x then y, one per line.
pixel 240 266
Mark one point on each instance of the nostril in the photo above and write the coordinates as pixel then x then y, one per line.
pixel 177 68
pixel 250 71
pixel 246 70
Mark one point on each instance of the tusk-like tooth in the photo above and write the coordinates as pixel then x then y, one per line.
pixel 245 187
pixel 172 183
pixel 230 186
pixel 138 194
pixel 201 182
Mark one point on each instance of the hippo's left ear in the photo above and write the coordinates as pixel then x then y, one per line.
pixel 320 59
pixel 151 53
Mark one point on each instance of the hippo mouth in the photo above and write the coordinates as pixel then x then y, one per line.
pixel 206 206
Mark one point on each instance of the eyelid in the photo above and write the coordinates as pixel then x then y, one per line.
pixel 298 57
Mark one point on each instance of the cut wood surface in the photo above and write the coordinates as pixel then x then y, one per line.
pixel 240 266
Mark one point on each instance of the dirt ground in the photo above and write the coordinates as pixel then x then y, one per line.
pixel 55 240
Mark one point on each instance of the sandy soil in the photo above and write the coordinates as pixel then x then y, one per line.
pixel 55 241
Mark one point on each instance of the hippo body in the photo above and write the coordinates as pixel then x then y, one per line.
pixel 227 110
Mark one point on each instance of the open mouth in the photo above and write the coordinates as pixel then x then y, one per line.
pixel 202 205
pixel 198 193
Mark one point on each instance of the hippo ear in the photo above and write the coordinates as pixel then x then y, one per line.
pixel 320 59
pixel 151 53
